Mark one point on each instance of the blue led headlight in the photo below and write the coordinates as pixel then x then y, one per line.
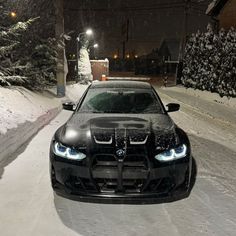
pixel 66 152
pixel 172 154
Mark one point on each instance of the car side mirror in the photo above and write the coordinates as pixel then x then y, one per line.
pixel 172 107
pixel 69 106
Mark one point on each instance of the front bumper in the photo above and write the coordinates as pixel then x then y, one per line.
pixel 121 183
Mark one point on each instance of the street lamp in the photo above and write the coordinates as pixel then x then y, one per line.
pixel 13 14
pixel 88 32
pixel 95 45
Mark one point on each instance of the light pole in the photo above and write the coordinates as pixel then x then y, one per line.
pixel 94 46
pixel 187 5
pixel 88 32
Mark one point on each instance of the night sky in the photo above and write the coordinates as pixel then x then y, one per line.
pixel 150 22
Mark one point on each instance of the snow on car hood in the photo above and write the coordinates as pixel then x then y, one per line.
pixel 104 129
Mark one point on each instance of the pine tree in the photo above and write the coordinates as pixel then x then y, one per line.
pixel 26 58
pixel 41 69
pixel 10 34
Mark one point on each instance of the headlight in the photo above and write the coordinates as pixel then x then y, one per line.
pixel 66 152
pixel 172 154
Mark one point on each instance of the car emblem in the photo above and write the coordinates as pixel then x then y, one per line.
pixel 120 153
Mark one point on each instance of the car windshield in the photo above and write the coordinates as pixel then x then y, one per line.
pixel 141 101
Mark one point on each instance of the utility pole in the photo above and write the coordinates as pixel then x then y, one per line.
pixel 125 36
pixel 123 49
pixel 183 41
pixel 59 31
pixel 185 28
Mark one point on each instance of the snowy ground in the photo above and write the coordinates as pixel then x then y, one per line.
pixel 18 105
pixel 28 206
pixel 212 131
pixel 24 112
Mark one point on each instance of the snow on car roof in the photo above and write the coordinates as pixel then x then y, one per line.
pixel 121 84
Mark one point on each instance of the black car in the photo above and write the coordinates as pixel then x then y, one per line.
pixel 120 144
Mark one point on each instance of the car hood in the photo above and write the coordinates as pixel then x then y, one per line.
pixel 83 130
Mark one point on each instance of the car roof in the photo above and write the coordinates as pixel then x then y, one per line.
pixel 121 84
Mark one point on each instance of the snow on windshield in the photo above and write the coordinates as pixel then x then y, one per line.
pixel 140 101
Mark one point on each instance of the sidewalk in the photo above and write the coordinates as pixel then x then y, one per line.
pixel 213 105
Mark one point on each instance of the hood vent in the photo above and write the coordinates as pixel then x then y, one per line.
pixel 138 140
pixel 120 137
pixel 103 140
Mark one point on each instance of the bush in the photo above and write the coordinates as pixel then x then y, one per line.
pixel 210 62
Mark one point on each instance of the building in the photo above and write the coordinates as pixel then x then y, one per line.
pixel 223 13
pixel 148 64
pixel 169 54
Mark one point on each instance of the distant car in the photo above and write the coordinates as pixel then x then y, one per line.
pixel 120 143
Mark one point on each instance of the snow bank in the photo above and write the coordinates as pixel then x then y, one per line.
pixel 206 95
pixel 19 105
pixel 75 91
pixel 24 112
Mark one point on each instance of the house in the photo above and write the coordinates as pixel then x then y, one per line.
pixel 169 54
pixel 169 50
pixel 159 61
pixel 223 13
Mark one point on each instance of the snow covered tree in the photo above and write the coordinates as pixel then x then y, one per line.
pixel 9 40
pixel 40 67
pixel 84 65
pixel 210 62
pixel 26 58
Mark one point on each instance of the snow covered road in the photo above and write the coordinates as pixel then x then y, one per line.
pixel 29 207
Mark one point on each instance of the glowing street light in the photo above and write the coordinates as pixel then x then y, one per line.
pixel 93 46
pixel 89 32
pixel 13 14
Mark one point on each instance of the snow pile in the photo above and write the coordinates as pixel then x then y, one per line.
pixel 74 92
pixel 206 95
pixel 24 112
pixel 84 64
pixel 18 105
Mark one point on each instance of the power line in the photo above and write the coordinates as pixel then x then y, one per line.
pixel 142 7
pixel 125 9
pixel 136 10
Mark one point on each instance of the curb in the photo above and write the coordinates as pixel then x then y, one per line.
pixel 16 137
